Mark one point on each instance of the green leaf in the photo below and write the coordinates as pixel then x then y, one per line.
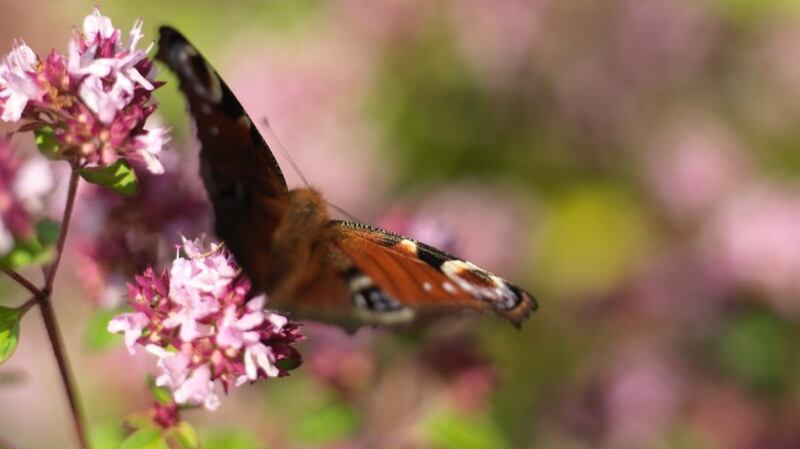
pixel 47 143
pixel 754 347
pixel 107 434
pixel 47 232
pixel 118 177
pixel 229 439
pixel 186 436
pixel 96 336
pixel 145 439
pixel 331 423
pixel 35 250
pixel 9 331
pixel 25 252
pixel 160 394
pixel 450 430
pixel 289 364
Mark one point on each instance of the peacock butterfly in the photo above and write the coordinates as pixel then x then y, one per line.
pixel 317 268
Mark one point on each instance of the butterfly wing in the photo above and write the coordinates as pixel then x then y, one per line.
pixel 384 278
pixel 243 180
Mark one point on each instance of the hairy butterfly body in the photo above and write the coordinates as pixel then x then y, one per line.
pixel 310 265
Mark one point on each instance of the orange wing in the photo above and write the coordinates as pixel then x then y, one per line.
pixel 385 278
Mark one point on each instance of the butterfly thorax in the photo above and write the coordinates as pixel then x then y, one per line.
pixel 282 258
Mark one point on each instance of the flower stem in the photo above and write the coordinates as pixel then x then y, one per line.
pixel 23 281
pixel 50 323
pixel 62 235
pixel 27 306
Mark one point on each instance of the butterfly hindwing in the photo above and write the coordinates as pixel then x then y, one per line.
pixel 405 276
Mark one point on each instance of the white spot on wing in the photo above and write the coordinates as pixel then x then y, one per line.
pixel 408 245
pixel 499 294
pixel 360 283
pixel 400 316
pixel 427 286
pixel 360 301
pixel 448 287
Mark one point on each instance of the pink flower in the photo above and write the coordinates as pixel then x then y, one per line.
pixel 132 325
pixel 198 389
pixel 117 237
pixel 222 336
pixel 149 145
pixel 257 357
pixel 17 81
pixel 95 101
pixel 237 332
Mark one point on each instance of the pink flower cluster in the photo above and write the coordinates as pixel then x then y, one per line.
pixel 23 185
pixel 197 319
pixel 95 100
pixel 117 237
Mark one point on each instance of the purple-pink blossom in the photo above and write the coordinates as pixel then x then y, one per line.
pixel 198 319
pixel 95 101
pixel 23 187
pixel 117 237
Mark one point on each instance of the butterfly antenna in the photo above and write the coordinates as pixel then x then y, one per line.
pixel 282 149
pixel 343 212
pixel 285 153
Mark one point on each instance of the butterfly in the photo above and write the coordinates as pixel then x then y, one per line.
pixel 310 265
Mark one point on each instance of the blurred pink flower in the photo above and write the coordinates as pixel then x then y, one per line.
pixel 692 165
pixel 424 228
pixel 755 237
pixel 223 335
pixel 619 57
pixel 655 42
pixel 641 400
pixel 314 94
pixel 477 222
pixel 23 187
pixel 381 21
pixel 94 102
pixel 468 376
pixel 496 35
pixel 117 237
pixel 345 363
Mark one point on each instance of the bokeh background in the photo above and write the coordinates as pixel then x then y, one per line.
pixel 634 163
